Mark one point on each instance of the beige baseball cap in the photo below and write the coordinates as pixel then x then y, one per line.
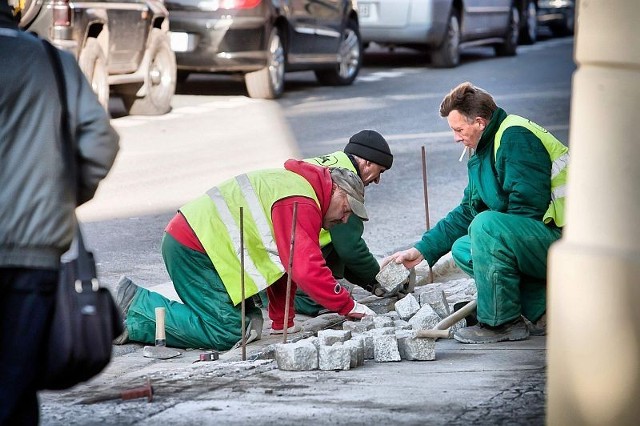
pixel 352 185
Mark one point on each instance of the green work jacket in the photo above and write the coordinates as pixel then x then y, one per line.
pixel 514 178
pixel 215 219
pixel 344 248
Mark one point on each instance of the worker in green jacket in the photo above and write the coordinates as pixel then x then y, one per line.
pixel 511 212
pixel 368 155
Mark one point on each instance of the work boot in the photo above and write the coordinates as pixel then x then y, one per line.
pixel 125 292
pixel 538 328
pixel 254 328
pixel 482 333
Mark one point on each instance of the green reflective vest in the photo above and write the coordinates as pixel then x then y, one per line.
pixel 336 159
pixel 559 155
pixel 215 219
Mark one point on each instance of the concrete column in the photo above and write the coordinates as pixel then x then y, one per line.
pixel 594 270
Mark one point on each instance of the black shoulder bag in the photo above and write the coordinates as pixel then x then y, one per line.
pixel 85 319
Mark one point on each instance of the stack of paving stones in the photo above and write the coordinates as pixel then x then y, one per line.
pixel 389 337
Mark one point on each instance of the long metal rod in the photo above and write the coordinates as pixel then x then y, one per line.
pixel 289 272
pixel 426 200
pixel 244 333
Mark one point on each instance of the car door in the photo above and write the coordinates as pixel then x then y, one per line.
pixel 492 17
pixel 128 33
pixel 303 30
pixel 329 16
pixel 474 22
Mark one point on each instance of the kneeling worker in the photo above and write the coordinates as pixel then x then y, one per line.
pixel 201 247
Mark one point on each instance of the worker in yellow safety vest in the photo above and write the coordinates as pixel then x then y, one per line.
pixel 201 250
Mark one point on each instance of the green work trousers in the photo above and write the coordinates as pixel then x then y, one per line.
pixel 304 304
pixel 507 257
pixel 206 319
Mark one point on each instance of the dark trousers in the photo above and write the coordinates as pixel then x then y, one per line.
pixel 26 308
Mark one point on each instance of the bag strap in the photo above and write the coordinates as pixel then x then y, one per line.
pixel 84 259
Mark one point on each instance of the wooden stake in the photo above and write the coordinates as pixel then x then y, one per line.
pixel 244 333
pixel 426 200
pixel 289 271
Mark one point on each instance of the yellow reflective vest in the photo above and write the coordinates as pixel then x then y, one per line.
pixel 336 159
pixel 559 155
pixel 215 219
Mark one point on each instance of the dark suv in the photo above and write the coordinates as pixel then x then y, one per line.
pixel 122 46
pixel 264 38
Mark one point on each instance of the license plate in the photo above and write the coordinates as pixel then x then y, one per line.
pixel 363 10
pixel 181 42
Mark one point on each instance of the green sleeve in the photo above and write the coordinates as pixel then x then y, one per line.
pixel 523 167
pixel 437 241
pixel 360 266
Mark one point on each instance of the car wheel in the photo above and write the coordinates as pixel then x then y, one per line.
pixel 268 83
pixel 567 26
pixel 448 54
pixel 529 30
pixel 182 76
pixel 94 66
pixel 508 48
pixel 154 97
pixel 350 52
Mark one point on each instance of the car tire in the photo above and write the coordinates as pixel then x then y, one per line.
pixel 350 51
pixel 268 82
pixel 510 45
pixel 567 26
pixel 529 28
pixel 447 55
pixel 182 76
pixel 93 64
pixel 159 82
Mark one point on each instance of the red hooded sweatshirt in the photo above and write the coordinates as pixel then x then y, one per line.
pixel 310 271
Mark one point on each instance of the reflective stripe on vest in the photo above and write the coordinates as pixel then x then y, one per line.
pixel 336 159
pixel 215 219
pixel 559 155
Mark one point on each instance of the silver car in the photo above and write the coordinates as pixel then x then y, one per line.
pixel 442 27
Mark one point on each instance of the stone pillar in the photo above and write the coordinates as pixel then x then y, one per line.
pixel 594 270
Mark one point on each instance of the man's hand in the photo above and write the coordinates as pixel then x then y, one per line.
pixel 359 310
pixel 409 258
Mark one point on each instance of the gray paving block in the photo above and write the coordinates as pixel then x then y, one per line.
pixel 357 326
pixel 336 357
pixel 367 342
pixel 298 356
pixel 329 337
pixel 382 321
pixel 412 348
pixel 435 298
pixel 385 348
pixel 382 305
pixel 380 331
pixel 402 325
pixel 356 346
pixel 426 318
pixel 392 314
pixel 407 307
pixel 392 276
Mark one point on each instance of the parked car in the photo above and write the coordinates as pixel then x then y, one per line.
pixel 443 27
pixel 263 39
pixel 558 16
pixel 122 47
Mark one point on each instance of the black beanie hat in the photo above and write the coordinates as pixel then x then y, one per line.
pixel 371 146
